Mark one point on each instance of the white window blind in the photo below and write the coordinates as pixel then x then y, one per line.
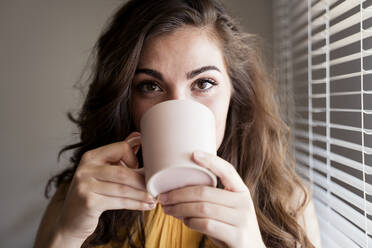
pixel 323 52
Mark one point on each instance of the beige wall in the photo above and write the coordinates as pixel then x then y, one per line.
pixel 256 18
pixel 44 47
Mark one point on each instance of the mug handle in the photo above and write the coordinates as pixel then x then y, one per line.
pixel 133 142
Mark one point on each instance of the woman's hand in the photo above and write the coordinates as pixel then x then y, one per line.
pixel 227 215
pixel 100 183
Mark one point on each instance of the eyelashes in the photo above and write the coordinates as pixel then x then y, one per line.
pixel 206 81
pixel 147 86
pixel 151 86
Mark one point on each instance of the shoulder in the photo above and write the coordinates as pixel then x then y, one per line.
pixel 306 216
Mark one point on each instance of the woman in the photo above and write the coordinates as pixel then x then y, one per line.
pixel 154 51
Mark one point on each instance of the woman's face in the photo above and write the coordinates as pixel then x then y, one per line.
pixel 185 64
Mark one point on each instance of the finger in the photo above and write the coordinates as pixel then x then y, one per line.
pixel 121 190
pixel 206 194
pixel 134 139
pixel 115 152
pixel 213 228
pixel 114 203
pixel 205 210
pixel 221 168
pixel 121 175
pixel 135 142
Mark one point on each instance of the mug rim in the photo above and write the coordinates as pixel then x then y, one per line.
pixel 153 191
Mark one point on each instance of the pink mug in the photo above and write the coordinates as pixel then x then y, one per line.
pixel 170 132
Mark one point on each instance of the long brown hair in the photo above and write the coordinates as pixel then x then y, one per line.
pixel 255 139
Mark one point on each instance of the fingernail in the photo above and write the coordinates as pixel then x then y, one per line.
pixel 122 163
pixel 151 205
pixel 199 155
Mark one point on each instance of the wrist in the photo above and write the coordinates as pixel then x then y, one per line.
pixel 61 239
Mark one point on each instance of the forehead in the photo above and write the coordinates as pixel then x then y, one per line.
pixel 187 48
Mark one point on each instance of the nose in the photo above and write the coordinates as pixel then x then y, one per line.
pixel 177 94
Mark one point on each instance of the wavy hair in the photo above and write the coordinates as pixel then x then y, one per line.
pixel 255 140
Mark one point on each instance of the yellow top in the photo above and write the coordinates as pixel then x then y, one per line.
pixel 164 231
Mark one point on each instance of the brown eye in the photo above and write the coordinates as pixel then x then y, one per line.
pixel 205 84
pixel 147 87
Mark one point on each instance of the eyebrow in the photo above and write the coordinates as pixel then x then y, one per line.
pixel 189 75
pixel 150 72
pixel 195 72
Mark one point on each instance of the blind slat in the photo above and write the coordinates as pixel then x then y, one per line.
pixel 320 180
pixel 350 197
pixel 348 22
pixel 332 95
pixel 354 216
pixel 343 7
pixel 342 225
pixel 350 145
pixel 351 180
pixel 298 8
pixel 348 162
pixel 347 195
pixel 317 8
pixel 337 236
pixel 349 40
pixel 300 59
pixel 302 171
pixel 320 194
pixel 347 58
pixel 350 75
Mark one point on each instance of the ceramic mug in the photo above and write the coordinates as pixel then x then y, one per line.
pixel 170 132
